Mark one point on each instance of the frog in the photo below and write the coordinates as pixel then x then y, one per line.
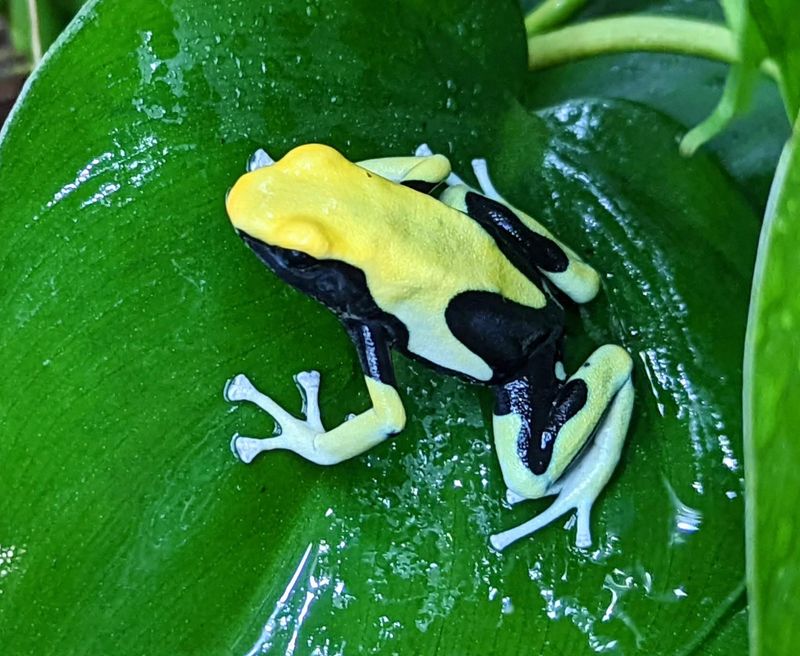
pixel 413 260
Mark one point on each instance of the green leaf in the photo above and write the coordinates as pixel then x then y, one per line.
pixel 685 88
pixel 740 83
pixel 772 362
pixel 125 524
pixel 780 29
pixel 772 403
pixel 730 639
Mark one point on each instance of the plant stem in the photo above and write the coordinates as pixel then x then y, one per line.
pixel 36 37
pixel 636 33
pixel 551 13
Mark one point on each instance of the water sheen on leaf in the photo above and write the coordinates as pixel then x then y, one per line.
pixel 126 526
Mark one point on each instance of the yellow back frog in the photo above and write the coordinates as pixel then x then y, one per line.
pixel 461 282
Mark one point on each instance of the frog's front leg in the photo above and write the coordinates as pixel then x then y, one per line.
pixel 422 172
pixel 540 445
pixel 309 438
pixel 239 388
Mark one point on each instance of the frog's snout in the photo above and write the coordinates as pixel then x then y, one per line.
pixel 244 203
pixel 236 203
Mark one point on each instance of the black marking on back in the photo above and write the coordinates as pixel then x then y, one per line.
pixel 525 248
pixel 505 334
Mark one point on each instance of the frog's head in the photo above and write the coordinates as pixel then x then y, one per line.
pixel 285 203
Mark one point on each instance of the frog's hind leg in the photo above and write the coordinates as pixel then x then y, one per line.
pixel 547 449
pixel 533 249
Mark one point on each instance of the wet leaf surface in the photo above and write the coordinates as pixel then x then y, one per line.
pixel 125 524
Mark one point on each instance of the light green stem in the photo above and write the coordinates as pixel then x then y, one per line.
pixel 551 13
pixel 636 33
pixel 36 36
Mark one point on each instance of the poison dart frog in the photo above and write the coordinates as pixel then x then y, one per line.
pixel 410 258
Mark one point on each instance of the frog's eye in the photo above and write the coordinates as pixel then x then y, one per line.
pixel 258 160
pixel 304 236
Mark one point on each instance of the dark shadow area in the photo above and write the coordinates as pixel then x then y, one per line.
pixel 13 70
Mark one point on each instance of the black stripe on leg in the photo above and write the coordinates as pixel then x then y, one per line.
pixel 519 243
pixel 373 352
pixel 571 398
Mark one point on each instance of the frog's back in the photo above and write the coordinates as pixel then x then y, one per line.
pixel 406 242
pixel 410 243
pixel 421 258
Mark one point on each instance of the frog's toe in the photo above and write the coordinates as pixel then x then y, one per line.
pixel 307 379
pixel 247 448
pixel 424 150
pixel 481 170
pixel 238 388
pixel 497 543
pixel 236 441
pixel 583 541
pixel 513 498
pixel 258 160
pixel 583 534
pixel 308 383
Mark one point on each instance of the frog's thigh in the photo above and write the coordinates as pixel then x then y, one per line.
pixel 420 173
pixel 597 401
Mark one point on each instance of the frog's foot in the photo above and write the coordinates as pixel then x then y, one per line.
pixel 513 498
pixel 563 503
pixel 580 486
pixel 481 171
pixel 294 434
pixel 258 160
